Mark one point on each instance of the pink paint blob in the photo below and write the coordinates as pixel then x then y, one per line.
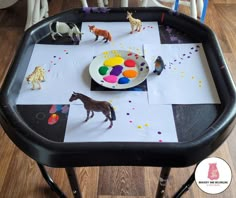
pixel 53 109
pixel 110 79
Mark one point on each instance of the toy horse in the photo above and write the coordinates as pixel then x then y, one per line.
pixel 61 28
pixel 99 32
pixel 37 76
pixel 98 106
pixel 134 22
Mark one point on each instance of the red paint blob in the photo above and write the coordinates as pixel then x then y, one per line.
pixel 53 119
pixel 130 63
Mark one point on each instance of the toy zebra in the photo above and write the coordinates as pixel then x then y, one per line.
pixel 134 23
pixel 37 76
pixel 61 29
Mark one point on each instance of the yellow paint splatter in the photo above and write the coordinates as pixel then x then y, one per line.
pixel 200 84
pixel 113 61
pixel 139 127
pixel 146 125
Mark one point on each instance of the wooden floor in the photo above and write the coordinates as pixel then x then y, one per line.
pixel 20 176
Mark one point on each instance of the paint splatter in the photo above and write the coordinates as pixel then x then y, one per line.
pixel 130 63
pixel 116 70
pixel 53 119
pixel 103 70
pixel 53 109
pixel 113 61
pixel 130 73
pixel 110 79
pixel 123 80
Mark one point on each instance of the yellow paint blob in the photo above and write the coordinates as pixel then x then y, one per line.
pixel 139 126
pixel 146 124
pixel 130 73
pixel 113 61
pixel 54 115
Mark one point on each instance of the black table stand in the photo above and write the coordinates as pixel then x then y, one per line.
pixel 72 179
pixel 71 174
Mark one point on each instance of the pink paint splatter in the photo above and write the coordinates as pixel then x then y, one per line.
pixel 53 109
pixel 110 79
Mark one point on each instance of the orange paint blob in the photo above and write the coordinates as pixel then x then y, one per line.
pixel 130 73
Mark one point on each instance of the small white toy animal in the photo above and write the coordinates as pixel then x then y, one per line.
pixel 134 22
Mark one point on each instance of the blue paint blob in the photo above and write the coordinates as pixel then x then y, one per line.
pixel 142 64
pixel 123 80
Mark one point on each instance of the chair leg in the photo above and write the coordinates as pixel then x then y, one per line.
pixel 50 182
pixel 84 3
pixel 165 171
pixel 193 9
pixel 73 182
pixel 185 187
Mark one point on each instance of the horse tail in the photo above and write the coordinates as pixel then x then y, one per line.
pixel 109 36
pixel 113 115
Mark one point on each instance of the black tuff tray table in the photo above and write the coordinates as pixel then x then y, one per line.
pixel 201 128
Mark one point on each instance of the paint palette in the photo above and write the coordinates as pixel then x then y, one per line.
pixel 119 69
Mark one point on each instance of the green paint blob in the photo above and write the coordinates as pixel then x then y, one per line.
pixel 103 70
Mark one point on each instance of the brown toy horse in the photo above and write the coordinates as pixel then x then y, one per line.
pixel 98 106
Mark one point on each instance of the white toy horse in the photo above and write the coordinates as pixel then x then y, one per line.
pixel 62 28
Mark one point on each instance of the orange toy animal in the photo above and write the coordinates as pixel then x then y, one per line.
pixel 98 32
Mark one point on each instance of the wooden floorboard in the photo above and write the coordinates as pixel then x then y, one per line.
pixel 20 176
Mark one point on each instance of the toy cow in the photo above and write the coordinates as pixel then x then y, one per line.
pixel 63 28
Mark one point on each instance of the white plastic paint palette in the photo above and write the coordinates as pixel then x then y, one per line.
pixel 119 69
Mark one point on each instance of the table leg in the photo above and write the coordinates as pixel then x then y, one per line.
pixel 185 187
pixel 165 171
pixel 50 182
pixel 73 182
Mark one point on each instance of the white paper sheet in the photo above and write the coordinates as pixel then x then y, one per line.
pixel 121 37
pixel 134 122
pixel 66 69
pixel 186 79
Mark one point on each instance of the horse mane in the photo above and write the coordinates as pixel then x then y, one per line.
pixel 84 96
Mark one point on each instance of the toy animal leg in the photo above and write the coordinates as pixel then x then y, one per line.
pixel 132 29
pixel 33 86
pixel 53 35
pixel 109 118
pixel 92 114
pixel 139 28
pixel 111 122
pixel 96 38
pixel 87 116
pixel 39 85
